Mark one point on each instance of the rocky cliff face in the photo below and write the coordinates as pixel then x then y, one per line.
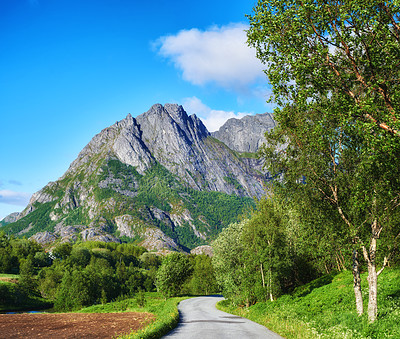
pixel 168 136
pixel 182 144
pixel 138 179
pixel 246 134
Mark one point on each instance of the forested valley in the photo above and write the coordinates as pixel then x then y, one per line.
pixel 74 276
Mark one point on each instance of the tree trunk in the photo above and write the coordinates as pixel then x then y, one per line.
pixel 357 283
pixel 370 258
pixel 372 280
pixel 271 297
pixel 262 275
pixel 337 263
pixel 373 292
pixel 326 268
pixel 342 260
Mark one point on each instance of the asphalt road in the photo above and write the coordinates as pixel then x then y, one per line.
pixel 200 319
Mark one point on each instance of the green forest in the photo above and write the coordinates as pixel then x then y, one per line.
pixel 73 276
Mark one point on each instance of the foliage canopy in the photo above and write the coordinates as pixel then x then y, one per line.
pixel 334 70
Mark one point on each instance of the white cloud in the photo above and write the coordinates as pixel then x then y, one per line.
pixel 219 55
pixel 14 198
pixel 213 119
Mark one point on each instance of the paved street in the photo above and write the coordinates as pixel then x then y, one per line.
pixel 200 319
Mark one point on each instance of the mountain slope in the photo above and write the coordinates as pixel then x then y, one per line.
pixel 160 178
pixel 246 134
pixel 9 219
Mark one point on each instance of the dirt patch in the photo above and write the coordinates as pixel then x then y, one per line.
pixel 71 325
pixel 10 280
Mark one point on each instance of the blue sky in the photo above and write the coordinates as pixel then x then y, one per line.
pixel 69 68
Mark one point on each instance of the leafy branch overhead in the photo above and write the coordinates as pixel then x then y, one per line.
pixel 334 70
pixel 350 49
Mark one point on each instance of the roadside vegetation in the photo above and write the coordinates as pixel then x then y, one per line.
pixel 321 251
pixel 165 311
pixel 324 308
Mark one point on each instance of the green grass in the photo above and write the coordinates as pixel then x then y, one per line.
pixel 326 309
pixel 8 276
pixel 166 312
pixel 13 298
pixel 247 155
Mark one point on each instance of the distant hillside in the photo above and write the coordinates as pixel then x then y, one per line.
pixel 160 180
pixel 9 219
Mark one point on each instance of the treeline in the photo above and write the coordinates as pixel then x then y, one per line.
pixel 283 246
pixel 336 144
pixel 182 274
pixel 74 276
pixel 262 257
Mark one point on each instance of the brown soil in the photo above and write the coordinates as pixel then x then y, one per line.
pixel 71 325
pixel 9 280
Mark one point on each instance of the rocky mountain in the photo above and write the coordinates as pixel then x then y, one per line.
pixel 9 219
pixel 160 179
pixel 246 134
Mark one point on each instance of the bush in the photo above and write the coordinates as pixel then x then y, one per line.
pixel 172 274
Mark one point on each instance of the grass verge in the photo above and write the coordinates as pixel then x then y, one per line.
pixel 326 309
pixel 166 312
pixel 282 322
pixel 6 276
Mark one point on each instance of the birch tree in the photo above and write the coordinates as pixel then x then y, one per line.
pixel 266 253
pixel 228 261
pixel 334 70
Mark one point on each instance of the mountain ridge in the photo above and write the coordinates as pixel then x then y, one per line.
pixel 245 134
pixel 163 150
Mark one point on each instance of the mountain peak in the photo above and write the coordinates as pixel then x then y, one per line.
pixel 172 156
pixel 246 134
pixel 176 112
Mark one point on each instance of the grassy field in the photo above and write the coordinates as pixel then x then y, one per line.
pixel 8 276
pixel 166 312
pixel 325 308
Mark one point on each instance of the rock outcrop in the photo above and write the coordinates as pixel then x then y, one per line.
pixel 182 144
pixel 205 249
pixel 9 219
pixel 246 134
pixel 44 238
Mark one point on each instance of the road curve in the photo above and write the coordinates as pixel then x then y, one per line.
pixel 200 319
